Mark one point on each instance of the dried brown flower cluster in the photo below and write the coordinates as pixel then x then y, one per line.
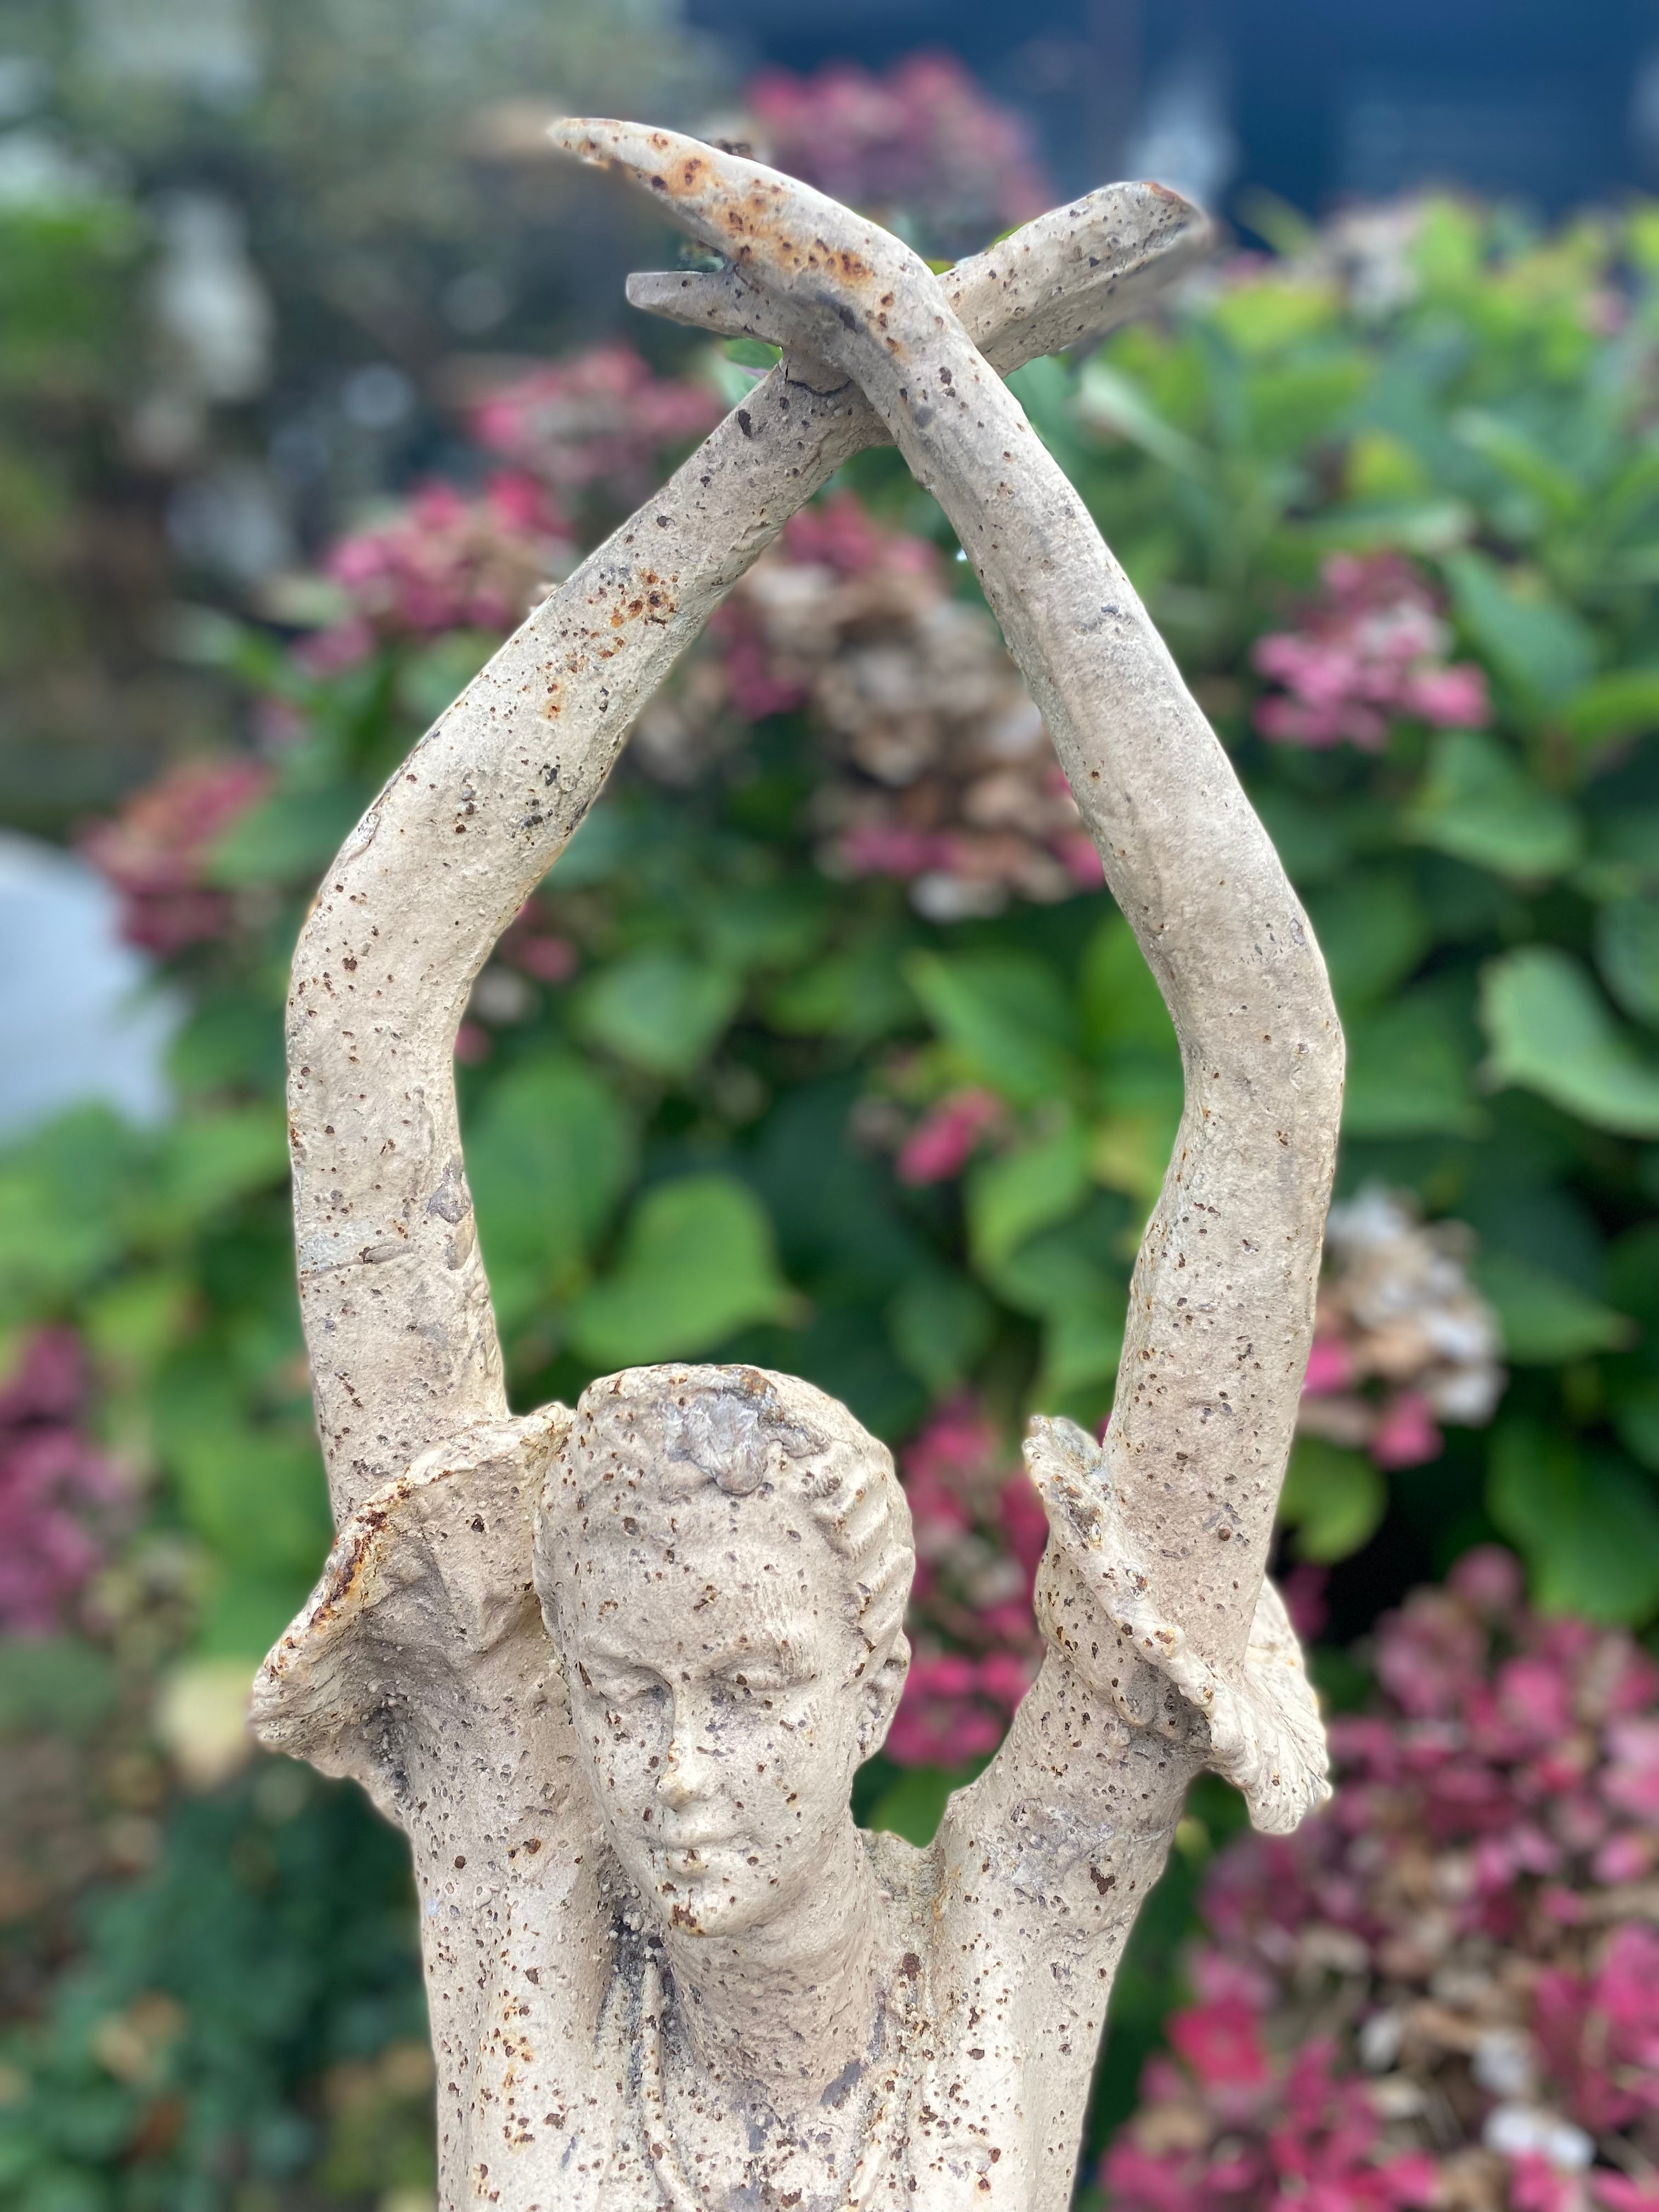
pixel 942 771
pixel 1403 1340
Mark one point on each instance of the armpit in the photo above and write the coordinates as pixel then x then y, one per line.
pixel 424 1615
pixel 1264 1729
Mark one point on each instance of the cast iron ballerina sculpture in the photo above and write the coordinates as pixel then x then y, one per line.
pixel 664 1968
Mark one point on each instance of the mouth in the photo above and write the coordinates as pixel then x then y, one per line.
pixel 676 1855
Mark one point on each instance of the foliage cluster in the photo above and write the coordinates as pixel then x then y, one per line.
pixel 721 1100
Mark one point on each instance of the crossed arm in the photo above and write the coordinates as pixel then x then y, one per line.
pixel 1221 1304
pixel 402 1341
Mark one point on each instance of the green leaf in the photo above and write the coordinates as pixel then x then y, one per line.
pixel 212 1160
pixel 1334 1499
pixel 1635 1417
pixel 551 1154
pixel 1533 639
pixel 253 1491
pixel 940 1324
pixel 659 1011
pixel 63 1194
pixel 1120 1000
pixel 1479 804
pixel 1409 1072
pixel 1586 1523
pixel 1082 1345
pixel 1513 452
pixel 232 1041
pixel 248 1612
pixel 697 1264
pixel 289 837
pixel 1633 1274
pixel 1007 1015
pixel 1274 313
pixel 913 1806
pixel 858 994
pixel 1313 841
pixel 1623 703
pixel 761 925
pixel 62 1683
pixel 1295 402
pixel 1107 400
pixel 602 843
pixel 137 1321
pixel 1372 929
pixel 1544 1318
pixel 1627 953
pixel 1550 1031
pixel 1012 1196
pixel 429 677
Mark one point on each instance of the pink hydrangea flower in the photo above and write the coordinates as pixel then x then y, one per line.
pixel 158 850
pixel 444 563
pixel 944 1141
pixel 59 1495
pixel 1406 1435
pixel 952 1710
pixel 923 142
pixel 979 1532
pixel 1371 651
pixel 1330 1367
pixel 1623 2192
pixel 1599 2031
pixel 603 417
pixel 1221 2041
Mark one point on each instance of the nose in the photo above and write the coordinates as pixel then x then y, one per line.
pixel 684 1775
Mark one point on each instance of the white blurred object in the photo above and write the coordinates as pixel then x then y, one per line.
pixel 201 1720
pixel 76 1020
pixel 208 46
pixel 24 84
pixel 1185 138
pixel 209 304
pixel 232 519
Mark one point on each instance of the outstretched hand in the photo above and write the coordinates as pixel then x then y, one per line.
pixel 1266 1736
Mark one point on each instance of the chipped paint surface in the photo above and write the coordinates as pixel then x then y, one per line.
pixel 612 1668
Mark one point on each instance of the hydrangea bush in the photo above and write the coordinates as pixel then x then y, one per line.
pixel 1445 1988
pixel 823 1047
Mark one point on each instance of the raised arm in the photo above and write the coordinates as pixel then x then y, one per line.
pixel 1221 1307
pixel 402 1339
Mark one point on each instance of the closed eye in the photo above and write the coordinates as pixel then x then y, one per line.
pixel 757 1681
pixel 618 1691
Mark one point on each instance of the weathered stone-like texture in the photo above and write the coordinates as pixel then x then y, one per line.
pixel 613 1669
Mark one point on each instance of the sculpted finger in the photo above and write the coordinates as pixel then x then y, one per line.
pixel 707 300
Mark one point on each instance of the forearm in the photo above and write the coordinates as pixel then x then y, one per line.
pixel 1221 1307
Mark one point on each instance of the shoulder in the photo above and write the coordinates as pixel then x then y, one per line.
pixel 425 1607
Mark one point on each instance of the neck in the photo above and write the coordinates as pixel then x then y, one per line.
pixel 787 2007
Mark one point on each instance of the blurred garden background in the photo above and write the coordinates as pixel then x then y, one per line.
pixel 824 1046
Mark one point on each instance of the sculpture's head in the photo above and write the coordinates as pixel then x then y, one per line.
pixel 723 1557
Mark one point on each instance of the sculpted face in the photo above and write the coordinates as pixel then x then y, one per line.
pixel 721 1694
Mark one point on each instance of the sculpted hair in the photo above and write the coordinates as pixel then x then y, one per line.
pixel 668 1430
